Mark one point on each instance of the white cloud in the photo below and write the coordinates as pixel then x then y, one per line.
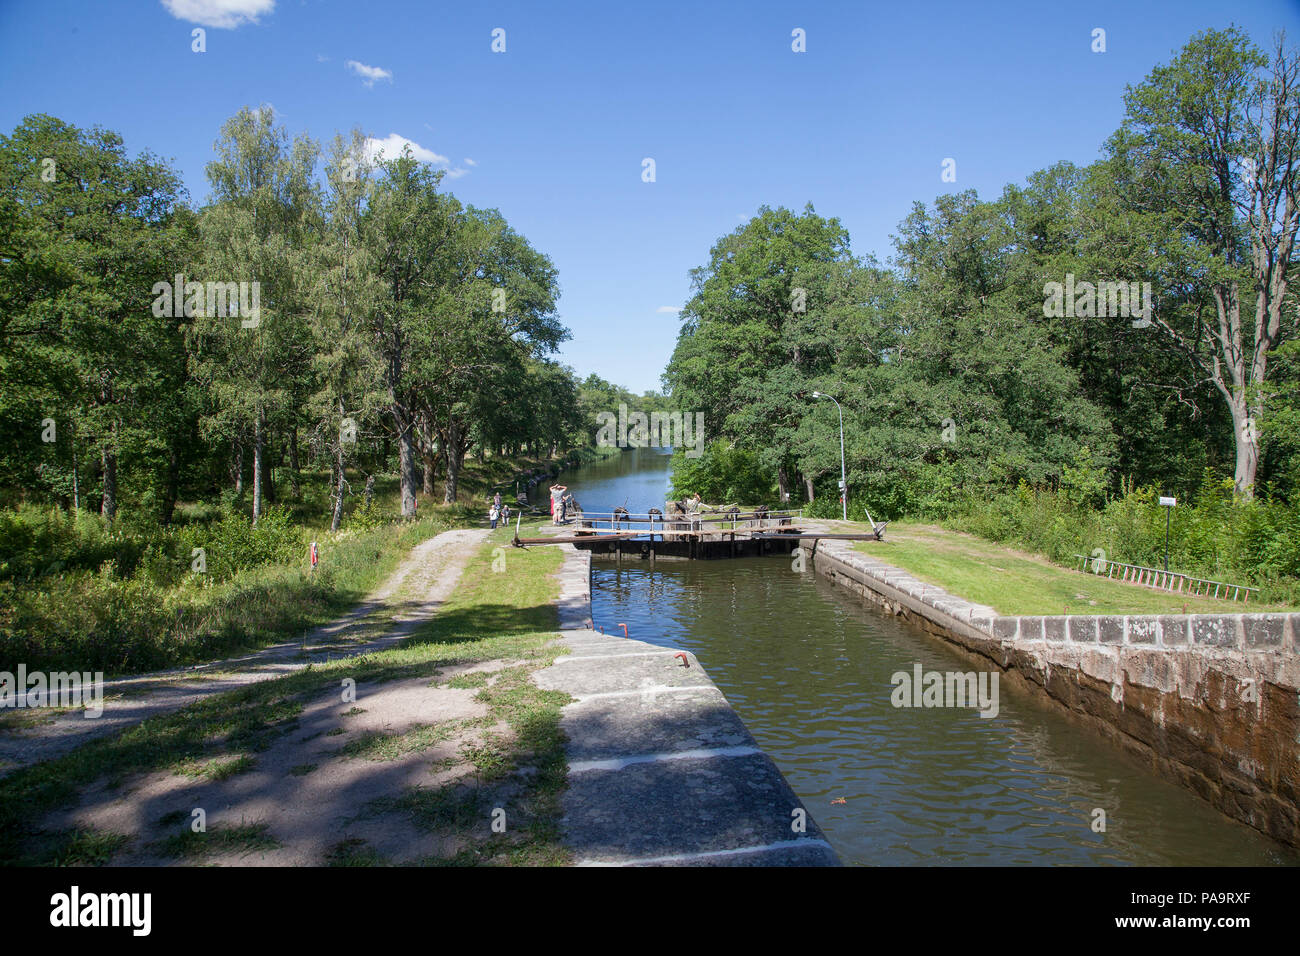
pixel 668 309
pixel 391 146
pixel 456 173
pixel 221 14
pixel 322 58
pixel 470 162
pixel 369 74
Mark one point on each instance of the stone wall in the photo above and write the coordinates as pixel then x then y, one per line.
pixel 1211 701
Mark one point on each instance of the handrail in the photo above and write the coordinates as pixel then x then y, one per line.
pixel 689 516
pixel 1165 580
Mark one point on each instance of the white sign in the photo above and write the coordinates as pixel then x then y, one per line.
pixel 1168 502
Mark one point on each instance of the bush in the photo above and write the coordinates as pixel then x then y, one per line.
pixel 721 475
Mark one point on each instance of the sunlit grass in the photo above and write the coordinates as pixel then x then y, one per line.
pixel 1014 582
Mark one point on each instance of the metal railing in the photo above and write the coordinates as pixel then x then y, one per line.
pixel 1174 582
pixel 693 521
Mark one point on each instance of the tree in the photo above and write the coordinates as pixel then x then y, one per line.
pixel 409 229
pixel 256 240
pixel 348 393
pixel 760 325
pixel 1206 163
pixel 85 232
pixel 494 310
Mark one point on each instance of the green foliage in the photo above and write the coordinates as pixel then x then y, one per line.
pixel 129 601
pixel 723 475
pixel 1084 483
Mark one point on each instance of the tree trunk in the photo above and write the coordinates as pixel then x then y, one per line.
pixel 173 487
pixel 338 495
pixel 108 507
pixel 239 468
pixel 406 459
pixel 268 466
pixel 294 488
pixel 808 485
pixel 258 451
pixel 76 491
pixel 453 453
pixel 430 469
pixel 783 483
pixel 1244 426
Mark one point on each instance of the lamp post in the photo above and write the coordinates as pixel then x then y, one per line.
pixel 844 484
pixel 1168 504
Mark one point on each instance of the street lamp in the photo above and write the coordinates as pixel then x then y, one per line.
pixel 1168 504
pixel 844 484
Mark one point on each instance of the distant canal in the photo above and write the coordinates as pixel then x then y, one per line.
pixel 808 666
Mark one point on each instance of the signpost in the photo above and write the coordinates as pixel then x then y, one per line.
pixel 1170 504
pixel 315 556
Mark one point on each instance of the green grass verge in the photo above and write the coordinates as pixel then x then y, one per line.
pixel 1014 582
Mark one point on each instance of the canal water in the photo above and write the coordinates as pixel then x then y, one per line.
pixel 808 667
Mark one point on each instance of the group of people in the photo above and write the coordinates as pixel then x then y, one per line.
pixel 562 504
pixel 499 511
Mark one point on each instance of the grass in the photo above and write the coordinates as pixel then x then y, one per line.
pixel 244 838
pixel 214 769
pixel 353 852
pixel 379 746
pixel 86 847
pixel 1014 582
pixel 490 617
pixel 469 681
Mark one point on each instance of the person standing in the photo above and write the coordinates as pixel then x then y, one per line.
pixel 494 515
pixel 496 500
pixel 557 494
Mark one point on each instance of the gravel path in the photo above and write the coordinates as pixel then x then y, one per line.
pixel 411 594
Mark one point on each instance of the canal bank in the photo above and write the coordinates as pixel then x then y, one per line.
pixel 1209 701
pixel 662 771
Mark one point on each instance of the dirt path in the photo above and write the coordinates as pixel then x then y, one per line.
pixel 409 597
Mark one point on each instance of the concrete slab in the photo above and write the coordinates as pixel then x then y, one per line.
pixel 678 807
pixel 654 720
pixel 662 771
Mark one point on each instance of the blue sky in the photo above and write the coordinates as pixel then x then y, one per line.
pixel 557 126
